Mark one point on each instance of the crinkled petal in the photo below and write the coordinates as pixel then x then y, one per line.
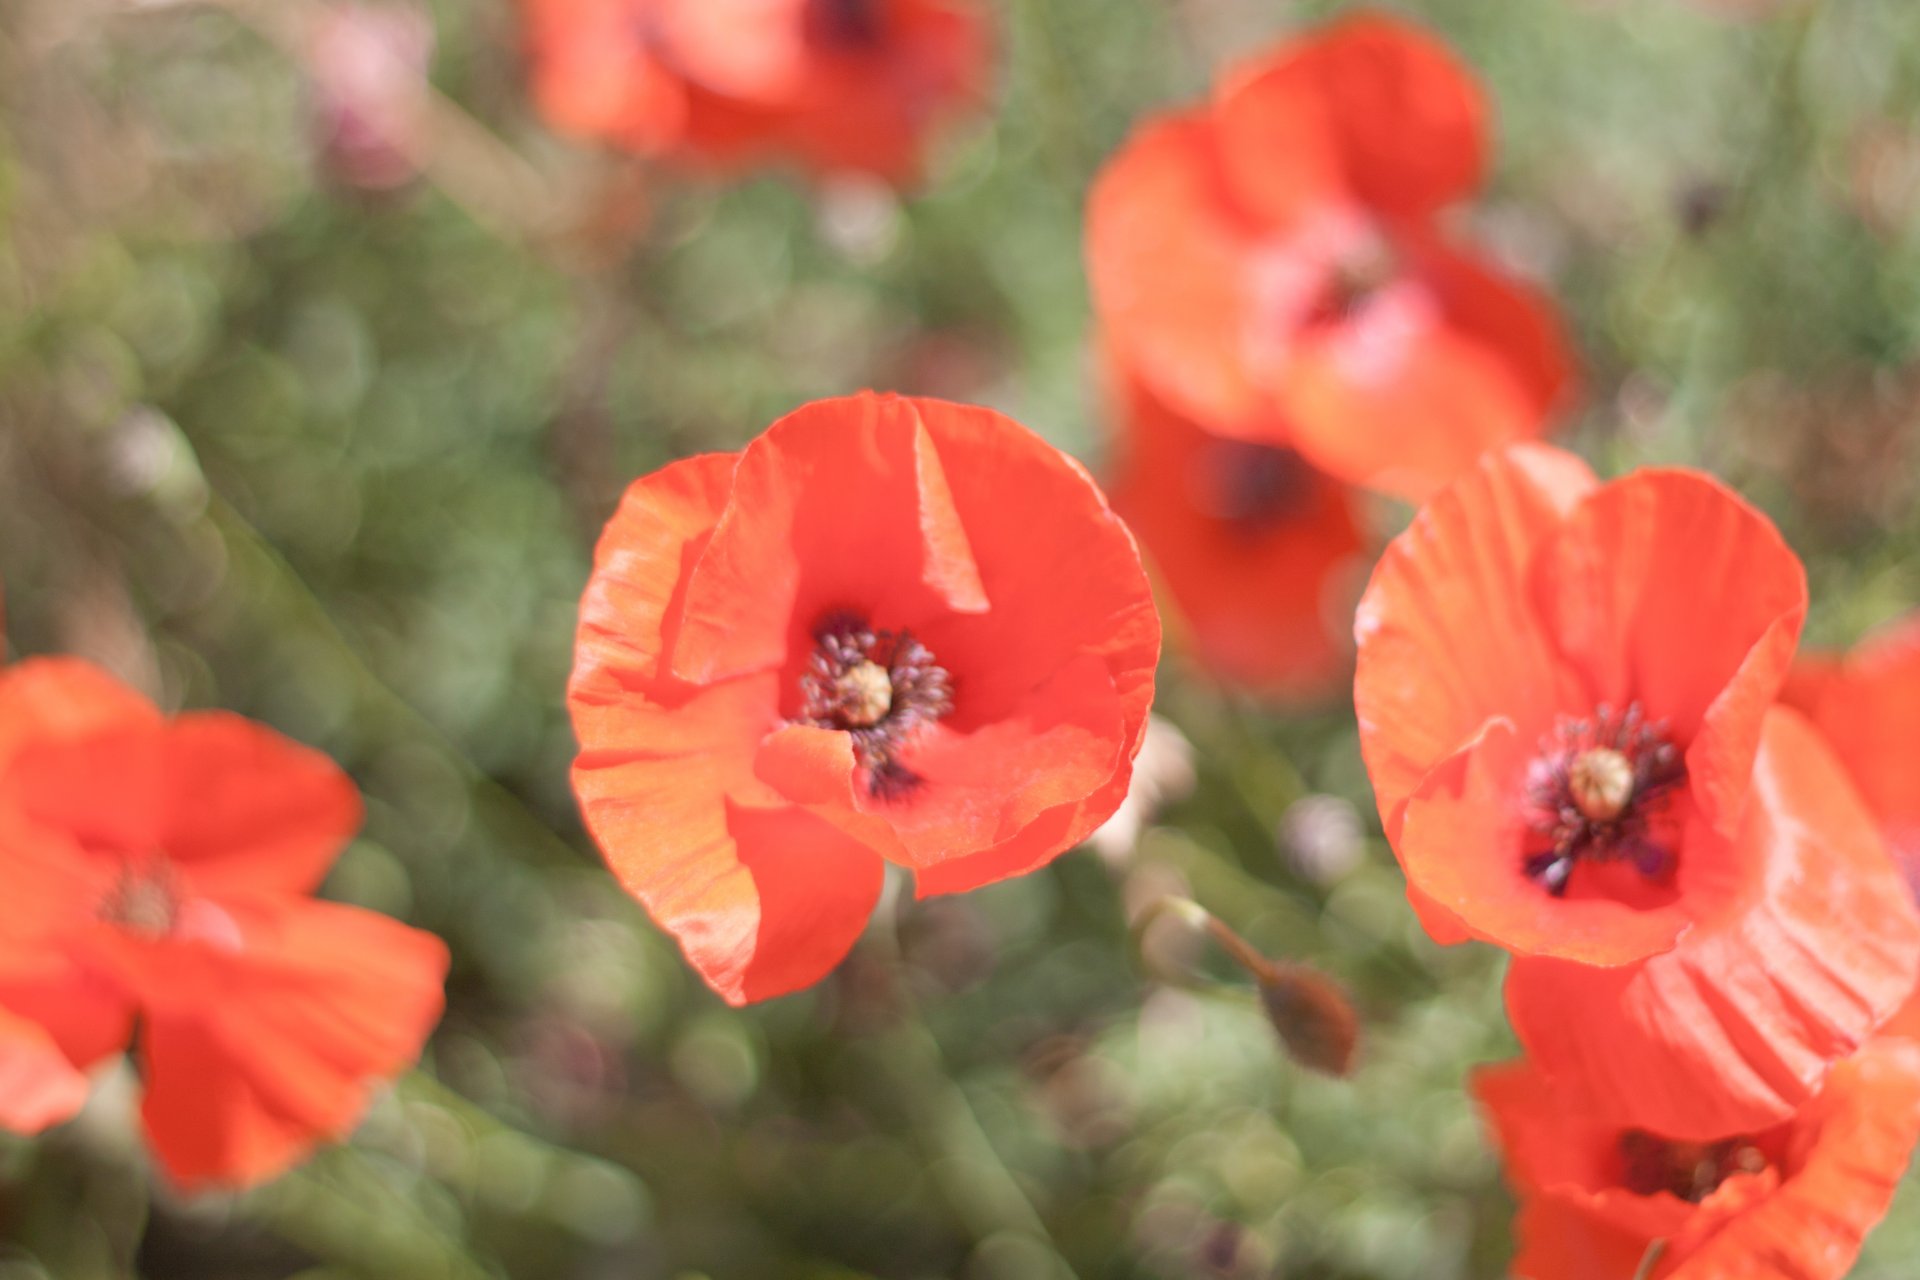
pixel 1868 708
pixel 1665 588
pixel 1736 1027
pixel 665 774
pixel 1448 638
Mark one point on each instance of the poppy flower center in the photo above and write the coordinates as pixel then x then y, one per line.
pixel 1690 1170
pixel 882 687
pixel 1592 791
pixel 847 23
pixel 144 900
pixel 1361 270
pixel 1250 486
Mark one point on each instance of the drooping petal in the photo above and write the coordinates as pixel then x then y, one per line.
pixel 1262 580
pixel 1448 638
pixel 39 1087
pixel 662 764
pixel 1626 585
pixel 1736 1028
pixel 1411 118
pixel 253 1055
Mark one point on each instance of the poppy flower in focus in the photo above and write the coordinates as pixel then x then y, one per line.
pixel 1560 690
pixel 1737 1026
pixel 1793 1201
pixel 888 630
pixel 1269 264
pixel 836 85
pixel 1254 546
pixel 159 873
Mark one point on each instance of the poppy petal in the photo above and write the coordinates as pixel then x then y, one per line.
pixel 1167 260
pixel 1263 590
pixel 39 1087
pixel 1621 584
pixel 1277 146
pixel 48 698
pixel 1447 637
pixel 1736 1027
pixel 1462 841
pixel 232 805
pixel 1411 117
pixel 658 757
pixel 1868 706
pixel 838 505
pixel 252 1056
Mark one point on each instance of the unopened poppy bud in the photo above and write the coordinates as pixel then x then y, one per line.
pixel 1315 1019
pixel 1601 782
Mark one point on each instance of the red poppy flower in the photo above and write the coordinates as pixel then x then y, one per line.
pixel 1790 1202
pixel 1268 264
pixel 158 870
pixel 889 630
pixel 1560 690
pixel 1737 1026
pixel 1258 550
pixel 834 84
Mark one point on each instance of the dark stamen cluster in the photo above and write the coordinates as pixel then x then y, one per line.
pixel 1592 791
pixel 880 686
pixel 143 900
pixel 1251 486
pixel 1690 1170
pixel 1355 278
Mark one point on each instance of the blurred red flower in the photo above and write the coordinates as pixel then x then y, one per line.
pixel 1259 551
pixel 159 873
pixel 1269 264
pixel 836 85
pixel 889 630
pixel 1560 690
pixel 1738 1025
pixel 1790 1202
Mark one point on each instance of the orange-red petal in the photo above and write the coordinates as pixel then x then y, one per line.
pixel 39 1086
pixel 1410 116
pixel 231 805
pixel 661 759
pixel 253 1055
pixel 1736 1028
pixel 1630 589
pixel 1448 636
pixel 1264 596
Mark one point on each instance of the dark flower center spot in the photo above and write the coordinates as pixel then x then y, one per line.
pixel 856 24
pixel 1250 486
pixel 144 899
pixel 1356 276
pixel 1690 1170
pixel 882 687
pixel 1592 792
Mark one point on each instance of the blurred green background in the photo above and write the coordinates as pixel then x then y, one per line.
pixel 336 459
